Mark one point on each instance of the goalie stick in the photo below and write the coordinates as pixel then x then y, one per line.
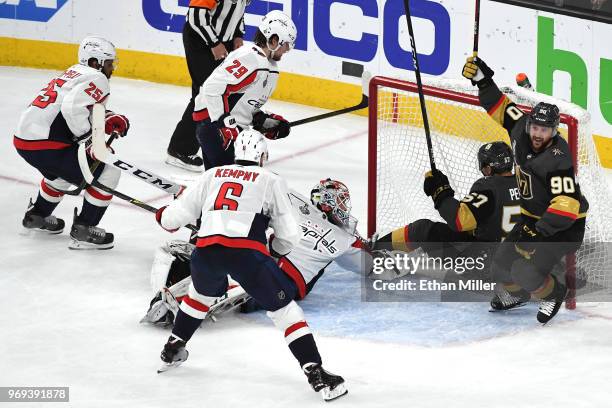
pixel 365 85
pixel 417 72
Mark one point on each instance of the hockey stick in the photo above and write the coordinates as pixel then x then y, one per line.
pixel 133 201
pixel 417 71
pixel 476 27
pixel 100 151
pixel 365 84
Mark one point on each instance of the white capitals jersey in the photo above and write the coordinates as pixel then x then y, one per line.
pixel 238 204
pixel 321 243
pixel 60 113
pixel 240 86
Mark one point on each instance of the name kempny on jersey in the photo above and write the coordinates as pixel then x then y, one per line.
pixel 320 241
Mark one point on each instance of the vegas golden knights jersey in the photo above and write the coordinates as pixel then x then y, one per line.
pixel 489 211
pixel 549 191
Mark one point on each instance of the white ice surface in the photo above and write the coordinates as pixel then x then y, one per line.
pixel 70 318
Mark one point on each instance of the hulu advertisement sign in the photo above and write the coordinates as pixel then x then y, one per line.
pixel 551 59
pixel 585 70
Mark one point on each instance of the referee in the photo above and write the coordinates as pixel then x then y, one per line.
pixel 212 29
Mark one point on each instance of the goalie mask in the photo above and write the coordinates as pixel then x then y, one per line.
pixel 333 198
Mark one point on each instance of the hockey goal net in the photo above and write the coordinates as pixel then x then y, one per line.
pixel 398 159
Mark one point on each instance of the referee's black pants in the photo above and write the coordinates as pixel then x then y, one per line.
pixel 201 64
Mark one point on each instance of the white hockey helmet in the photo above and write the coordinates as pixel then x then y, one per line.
pixel 250 145
pixel 277 22
pixel 98 48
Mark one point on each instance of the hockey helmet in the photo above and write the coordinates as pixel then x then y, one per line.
pixel 544 114
pixel 98 48
pixel 251 146
pixel 497 155
pixel 277 22
pixel 333 198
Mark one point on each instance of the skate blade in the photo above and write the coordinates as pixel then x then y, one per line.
pixel 35 231
pixel 491 310
pixel 79 245
pixel 169 366
pixel 330 395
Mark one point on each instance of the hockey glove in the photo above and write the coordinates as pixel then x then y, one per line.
pixel 228 129
pixel 115 123
pixel 528 241
pixel 437 186
pixel 272 126
pixel 477 71
pixel 158 217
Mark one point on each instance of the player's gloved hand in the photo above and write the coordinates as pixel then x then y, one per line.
pixel 115 123
pixel 228 129
pixel 477 71
pixel 158 217
pixel 437 186
pixel 528 240
pixel 271 125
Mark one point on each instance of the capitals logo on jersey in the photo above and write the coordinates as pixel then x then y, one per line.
pixel 320 237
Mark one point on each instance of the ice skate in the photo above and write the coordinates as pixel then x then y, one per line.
pixel 49 224
pixel 89 237
pixel 330 385
pixel 173 354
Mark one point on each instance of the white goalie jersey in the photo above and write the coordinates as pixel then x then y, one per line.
pixel 240 86
pixel 60 113
pixel 321 243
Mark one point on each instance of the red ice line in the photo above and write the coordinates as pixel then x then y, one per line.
pixel 160 197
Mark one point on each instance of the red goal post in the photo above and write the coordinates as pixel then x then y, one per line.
pixel 390 103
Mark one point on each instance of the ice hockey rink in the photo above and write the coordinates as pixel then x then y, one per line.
pixel 71 318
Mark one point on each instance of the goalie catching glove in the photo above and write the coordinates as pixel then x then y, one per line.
pixel 437 186
pixel 271 125
pixel 477 71
pixel 115 123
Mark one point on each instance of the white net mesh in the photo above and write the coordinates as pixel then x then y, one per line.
pixel 458 129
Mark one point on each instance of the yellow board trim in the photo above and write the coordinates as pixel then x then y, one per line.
pixel 302 89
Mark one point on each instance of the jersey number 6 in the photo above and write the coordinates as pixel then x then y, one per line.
pixel 224 203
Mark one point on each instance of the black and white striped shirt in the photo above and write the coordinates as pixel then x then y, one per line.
pixel 217 21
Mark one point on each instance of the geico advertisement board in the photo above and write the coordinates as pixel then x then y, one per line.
pixel 564 56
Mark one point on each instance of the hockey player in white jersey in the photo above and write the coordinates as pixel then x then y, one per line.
pixel 49 133
pixel 237 204
pixel 327 235
pixel 233 95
